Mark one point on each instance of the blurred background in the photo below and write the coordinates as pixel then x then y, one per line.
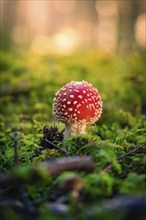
pixel 47 43
pixel 64 26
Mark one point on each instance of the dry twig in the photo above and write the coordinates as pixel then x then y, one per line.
pixel 110 166
pixel 49 168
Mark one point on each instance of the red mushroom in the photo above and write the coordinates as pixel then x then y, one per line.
pixel 77 104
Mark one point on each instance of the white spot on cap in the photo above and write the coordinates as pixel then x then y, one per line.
pixel 71 96
pixel 75 102
pixel 84 91
pixel 80 96
pixel 76 90
pixel 78 105
pixel 64 100
pixel 70 109
pixel 68 102
pixel 65 113
pixel 91 106
pixel 64 93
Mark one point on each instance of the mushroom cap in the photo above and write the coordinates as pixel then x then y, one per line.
pixel 73 183
pixel 77 102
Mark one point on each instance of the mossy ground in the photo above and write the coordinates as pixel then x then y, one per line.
pixel 28 85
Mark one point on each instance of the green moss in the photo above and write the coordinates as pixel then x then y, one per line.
pixel 28 85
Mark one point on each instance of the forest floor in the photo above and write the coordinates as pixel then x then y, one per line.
pixel 98 175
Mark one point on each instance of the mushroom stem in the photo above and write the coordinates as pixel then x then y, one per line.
pixel 67 131
pixel 76 128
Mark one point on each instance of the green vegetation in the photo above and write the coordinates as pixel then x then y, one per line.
pixel 116 142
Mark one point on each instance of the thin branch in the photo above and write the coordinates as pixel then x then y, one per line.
pixel 70 163
pixel 41 172
pixel 110 166
pixel 57 148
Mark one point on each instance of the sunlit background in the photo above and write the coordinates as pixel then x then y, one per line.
pixel 64 26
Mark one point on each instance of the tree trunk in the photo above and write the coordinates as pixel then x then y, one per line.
pixel 128 13
pixel 8 18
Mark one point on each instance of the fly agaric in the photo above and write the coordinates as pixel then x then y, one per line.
pixel 77 104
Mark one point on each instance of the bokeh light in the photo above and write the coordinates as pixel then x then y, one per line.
pixel 106 8
pixel 66 41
